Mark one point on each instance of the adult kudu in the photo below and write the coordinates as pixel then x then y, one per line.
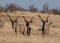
pixel 44 29
pixel 28 25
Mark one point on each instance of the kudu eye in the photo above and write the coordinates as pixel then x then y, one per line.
pixel 31 21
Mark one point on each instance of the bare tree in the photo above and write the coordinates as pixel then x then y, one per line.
pixel 32 8
pixel 45 8
pixel 11 7
pixel 27 25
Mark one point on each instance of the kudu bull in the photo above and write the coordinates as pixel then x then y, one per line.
pixel 28 25
pixel 14 25
pixel 44 24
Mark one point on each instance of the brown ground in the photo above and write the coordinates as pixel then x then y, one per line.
pixel 7 34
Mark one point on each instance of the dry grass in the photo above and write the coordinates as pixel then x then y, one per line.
pixel 7 34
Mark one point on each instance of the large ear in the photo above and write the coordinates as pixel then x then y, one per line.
pixel 39 16
pixel 31 19
pixel 50 23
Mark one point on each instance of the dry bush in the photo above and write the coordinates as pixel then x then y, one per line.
pixel 13 7
pixel 2 9
pixel 45 8
pixel 32 8
pixel 55 11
